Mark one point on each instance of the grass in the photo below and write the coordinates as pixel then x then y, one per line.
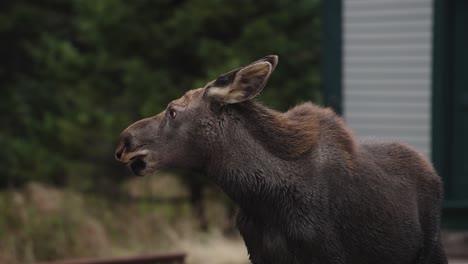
pixel 40 223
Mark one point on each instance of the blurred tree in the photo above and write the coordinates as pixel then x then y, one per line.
pixel 76 73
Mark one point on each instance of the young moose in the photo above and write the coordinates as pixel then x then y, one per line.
pixel 308 192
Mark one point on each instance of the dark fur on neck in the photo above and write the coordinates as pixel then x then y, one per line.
pixel 293 134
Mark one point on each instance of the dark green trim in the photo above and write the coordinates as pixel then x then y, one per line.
pixel 444 84
pixel 441 86
pixel 460 204
pixel 455 218
pixel 332 71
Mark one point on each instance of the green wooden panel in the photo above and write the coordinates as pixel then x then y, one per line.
pixel 460 102
pixel 441 91
pixel 331 64
pixel 450 108
pixel 455 219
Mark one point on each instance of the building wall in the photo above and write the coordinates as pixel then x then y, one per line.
pixel 387 69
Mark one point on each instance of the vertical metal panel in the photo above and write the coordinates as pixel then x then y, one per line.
pixel 387 69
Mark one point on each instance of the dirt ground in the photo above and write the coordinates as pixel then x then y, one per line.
pixel 216 249
pixel 458 261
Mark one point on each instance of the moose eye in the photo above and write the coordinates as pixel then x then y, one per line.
pixel 172 113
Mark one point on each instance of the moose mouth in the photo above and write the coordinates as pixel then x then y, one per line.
pixel 137 166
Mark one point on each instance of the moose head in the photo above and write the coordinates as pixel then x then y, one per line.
pixel 181 135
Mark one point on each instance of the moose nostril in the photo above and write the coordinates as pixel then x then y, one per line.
pixel 118 155
pixel 123 145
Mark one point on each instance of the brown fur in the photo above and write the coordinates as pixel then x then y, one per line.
pixel 296 132
pixel 307 191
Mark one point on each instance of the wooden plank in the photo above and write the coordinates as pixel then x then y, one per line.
pixel 170 258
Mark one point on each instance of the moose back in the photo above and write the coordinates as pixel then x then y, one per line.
pixel 308 192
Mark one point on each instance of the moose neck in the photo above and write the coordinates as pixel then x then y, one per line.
pixel 263 152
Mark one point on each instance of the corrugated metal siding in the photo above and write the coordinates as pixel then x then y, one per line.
pixel 387 69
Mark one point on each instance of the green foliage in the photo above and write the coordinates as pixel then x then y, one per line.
pixel 76 73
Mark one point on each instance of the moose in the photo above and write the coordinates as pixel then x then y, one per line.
pixel 307 190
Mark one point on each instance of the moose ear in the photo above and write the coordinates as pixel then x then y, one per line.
pixel 243 83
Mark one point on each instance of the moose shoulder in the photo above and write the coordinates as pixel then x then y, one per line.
pixel 308 192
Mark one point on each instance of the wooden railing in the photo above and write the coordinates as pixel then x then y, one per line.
pixel 172 258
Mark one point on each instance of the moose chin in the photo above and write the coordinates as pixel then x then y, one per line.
pixel 307 190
